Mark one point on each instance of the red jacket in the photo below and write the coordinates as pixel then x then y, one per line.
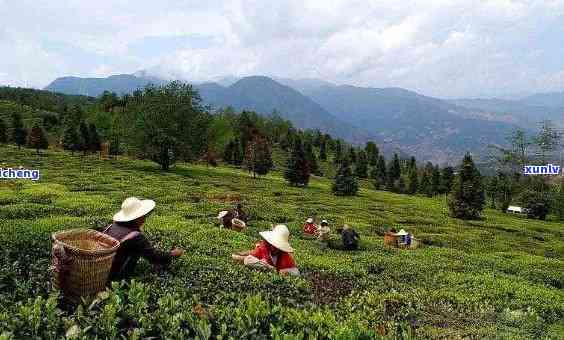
pixel 310 228
pixel 284 260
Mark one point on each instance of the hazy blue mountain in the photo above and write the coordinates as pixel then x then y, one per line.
pixel 427 127
pixel 548 99
pixel 264 95
pixel 120 84
pixel 257 93
pixel 525 112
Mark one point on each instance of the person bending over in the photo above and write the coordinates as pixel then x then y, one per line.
pixel 273 252
pixel 127 227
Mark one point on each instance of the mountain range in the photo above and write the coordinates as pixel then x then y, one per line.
pixel 398 120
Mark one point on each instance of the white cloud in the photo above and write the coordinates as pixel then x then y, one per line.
pixel 438 47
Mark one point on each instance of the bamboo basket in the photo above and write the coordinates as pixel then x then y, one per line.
pixel 82 260
pixel 390 240
pixel 237 224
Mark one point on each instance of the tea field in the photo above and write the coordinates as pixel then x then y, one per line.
pixel 498 277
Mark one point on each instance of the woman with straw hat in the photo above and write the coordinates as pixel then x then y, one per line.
pixel 127 228
pixel 273 252
pixel 310 228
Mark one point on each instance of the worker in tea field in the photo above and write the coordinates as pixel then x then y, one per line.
pixel 272 253
pixel 350 238
pixel 310 228
pixel 233 219
pixel 323 234
pixel 404 238
pixel 127 227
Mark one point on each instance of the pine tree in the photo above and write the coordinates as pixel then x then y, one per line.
pixel 258 156
pixel 425 183
pixel 412 163
pixel 504 191
pixel 345 183
pixel 84 138
pixel 400 185
pixel 379 173
pixel 435 180
pixel 413 183
pixel 323 149
pixel 467 199
pixel 447 177
pixel 394 171
pixel 491 190
pixel 115 148
pixel 372 153
pixel 94 143
pixel 71 139
pixel 312 159
pixel 236 152
pixel 3 132
pixel 352 155
pixel 361 168
pixel 558 201
pixel 228 152
pixel 19 132
pixel 38 139
pixel 337 152
pixel 297 169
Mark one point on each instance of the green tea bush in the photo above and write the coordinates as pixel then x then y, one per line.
pixel 501 276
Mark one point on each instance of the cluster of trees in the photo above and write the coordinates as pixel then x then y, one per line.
pixel 539 195
pixel 169 123
pixel 35 138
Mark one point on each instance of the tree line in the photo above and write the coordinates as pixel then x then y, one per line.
pixel 170 123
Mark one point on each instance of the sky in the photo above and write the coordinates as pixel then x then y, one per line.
pixel 472 48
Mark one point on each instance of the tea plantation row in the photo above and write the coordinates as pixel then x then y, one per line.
pixel 502 276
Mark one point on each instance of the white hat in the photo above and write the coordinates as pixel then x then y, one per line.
pixel 324 221
pixel 278 237
pixel 222 214
pixel 133 208
pixel 309 220
pixel 402 233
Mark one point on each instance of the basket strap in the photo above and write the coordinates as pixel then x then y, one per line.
pixel 61 262
pixel 130 236
pixel 107 228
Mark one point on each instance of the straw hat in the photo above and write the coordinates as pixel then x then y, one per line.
pixel 401 233
pixel 309 220
pixel 133 208
pixel 278 237
pixel 222 214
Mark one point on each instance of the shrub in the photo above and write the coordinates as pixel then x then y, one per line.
pixel 537 204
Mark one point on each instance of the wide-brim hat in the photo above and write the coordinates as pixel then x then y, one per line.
pixel 222 214
pixel 133 208
pixel 278 237
pixel 401 233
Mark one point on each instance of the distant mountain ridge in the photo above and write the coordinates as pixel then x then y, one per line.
pixel 397 119
pixel 120 84
pixel 257 93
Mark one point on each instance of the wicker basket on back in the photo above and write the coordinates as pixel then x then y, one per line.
pixel 82 260
pixel 390 240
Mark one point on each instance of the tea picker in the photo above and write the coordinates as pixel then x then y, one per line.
pixel 84 260
pixel 272 253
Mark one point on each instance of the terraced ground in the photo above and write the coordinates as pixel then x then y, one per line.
pixel 502 276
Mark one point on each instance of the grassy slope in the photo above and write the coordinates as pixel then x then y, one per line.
pixel 501 275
